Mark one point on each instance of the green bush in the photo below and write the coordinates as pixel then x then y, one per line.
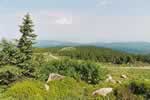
pixel 124 93
pixel 86 71
pixel 140 87
pixel 134 90
pixel 7 77
pixel 9 74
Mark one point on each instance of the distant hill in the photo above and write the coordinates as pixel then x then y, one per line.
pixel 52 43
pixel 129 47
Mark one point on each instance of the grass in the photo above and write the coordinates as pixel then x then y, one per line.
pixel 133 73
pixel 26 90
pixel 66 89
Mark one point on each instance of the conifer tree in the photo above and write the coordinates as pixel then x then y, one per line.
pixel 27 39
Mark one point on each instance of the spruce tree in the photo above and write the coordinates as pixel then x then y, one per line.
pixel 27 39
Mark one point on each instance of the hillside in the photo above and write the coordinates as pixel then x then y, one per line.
pixel 129 47
pixel 96 54
pixel 81 75
pixel 52 43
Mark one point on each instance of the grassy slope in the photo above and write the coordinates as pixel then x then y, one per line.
pixel 116 71
pixel 133 73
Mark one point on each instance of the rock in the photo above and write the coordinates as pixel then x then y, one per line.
pixel 110 79
pixel 102 91
pixel 54 76
pixel 113 81
pixel 124 76
pixel 119 82
pixel 46 87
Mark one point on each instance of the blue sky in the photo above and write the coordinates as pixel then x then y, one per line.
pixel 79 20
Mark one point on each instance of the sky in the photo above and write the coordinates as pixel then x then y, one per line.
pixel 79 20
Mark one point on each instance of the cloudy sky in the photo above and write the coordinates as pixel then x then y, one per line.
pixel 79 20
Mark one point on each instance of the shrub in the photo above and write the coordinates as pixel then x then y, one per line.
pixel 7 78
pixel 86 71
pixel 140 87
pixel 9 74
pixel 134 90
pixel 123 93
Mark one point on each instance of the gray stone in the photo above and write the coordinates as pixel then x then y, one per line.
pixel 54 76
pixel 102 92
pixel 118 81
pixel 124 76
pixel 110 79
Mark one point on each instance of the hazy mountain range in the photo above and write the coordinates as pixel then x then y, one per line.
pixel 130 47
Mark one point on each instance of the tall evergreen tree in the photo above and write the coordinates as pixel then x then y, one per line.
pixel 27 39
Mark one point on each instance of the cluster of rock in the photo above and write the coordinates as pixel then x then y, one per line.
pixel 99 92
pixel 110 79
pixel 106 91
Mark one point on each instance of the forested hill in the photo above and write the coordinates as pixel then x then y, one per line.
pixel 53 43
pixel 97 54
pixel 129 47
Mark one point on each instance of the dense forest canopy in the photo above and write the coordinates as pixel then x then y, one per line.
pixel 96 54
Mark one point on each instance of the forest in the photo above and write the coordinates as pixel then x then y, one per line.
pixel 96 54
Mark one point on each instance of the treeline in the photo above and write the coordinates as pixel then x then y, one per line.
pixel 98 54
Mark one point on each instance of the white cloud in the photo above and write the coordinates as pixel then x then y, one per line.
pixel 103 3
pixel 74 27
pixel 64 20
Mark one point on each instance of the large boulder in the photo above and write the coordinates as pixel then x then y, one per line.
pixel 54 76
pixel 102 92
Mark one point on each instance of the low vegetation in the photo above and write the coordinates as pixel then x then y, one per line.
pixel 80 70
